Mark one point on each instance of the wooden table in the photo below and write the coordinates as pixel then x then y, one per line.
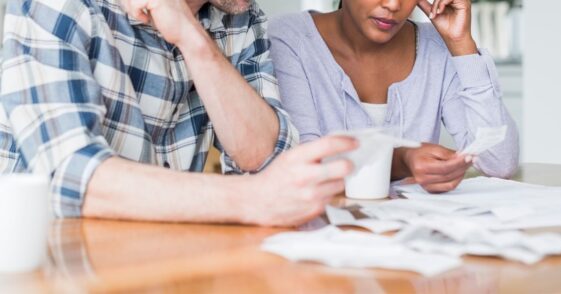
pixel 109 256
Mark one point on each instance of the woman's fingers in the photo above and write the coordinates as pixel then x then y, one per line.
pixel 442 167
pixel 442 187
pixel 434 9
pixel 323 148
pixel 442 6
pixel 425 6
pixel 442 178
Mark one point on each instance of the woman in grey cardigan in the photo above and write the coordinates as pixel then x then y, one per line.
pixel 367 65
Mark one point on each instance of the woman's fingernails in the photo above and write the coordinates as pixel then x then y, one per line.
pixel 431 16
pixel 469 159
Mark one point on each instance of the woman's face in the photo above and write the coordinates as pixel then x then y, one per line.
pixel 379 20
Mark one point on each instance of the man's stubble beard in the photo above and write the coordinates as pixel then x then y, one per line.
pixel 232 6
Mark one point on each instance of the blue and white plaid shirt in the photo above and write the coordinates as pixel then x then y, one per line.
pixel 82 82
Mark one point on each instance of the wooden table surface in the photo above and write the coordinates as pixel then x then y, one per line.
pixel 110 256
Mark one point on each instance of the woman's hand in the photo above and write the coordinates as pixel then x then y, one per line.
pixel 452 19
pixel 437 169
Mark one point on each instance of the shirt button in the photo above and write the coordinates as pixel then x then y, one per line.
pixel 166 164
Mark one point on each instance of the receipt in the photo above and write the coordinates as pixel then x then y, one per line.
pixel 485 139
pixel 338 216
pixel 370 140
pixel 457 239
pixel 337 248
pixel 341 217
pixel 509 204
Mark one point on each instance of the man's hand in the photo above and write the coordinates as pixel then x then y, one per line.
pixel 297 186
pixel 435 168
pixel 452 19
pixel 172 18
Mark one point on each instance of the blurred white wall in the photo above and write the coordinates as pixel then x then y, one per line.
pixel 278 7
pixel 542 82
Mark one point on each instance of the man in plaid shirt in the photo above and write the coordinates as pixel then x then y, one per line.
pixel 119 102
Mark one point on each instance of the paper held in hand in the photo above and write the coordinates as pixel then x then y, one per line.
pixel 486 139
pixel 369 140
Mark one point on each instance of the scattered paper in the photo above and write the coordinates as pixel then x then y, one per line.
pixel 513 245
pixel 339 216
pixel 482 217
pixel 338 248
pixel 486 139
pixel 511 205
pixel 342 217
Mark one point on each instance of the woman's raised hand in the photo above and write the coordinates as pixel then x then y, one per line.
pixel 452 19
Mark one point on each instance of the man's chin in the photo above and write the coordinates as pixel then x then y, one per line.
pixel 232 6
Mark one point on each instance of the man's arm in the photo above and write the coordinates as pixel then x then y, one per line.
pixel 121 189
pixel 247 127
pixel 50 97
pixel 292 190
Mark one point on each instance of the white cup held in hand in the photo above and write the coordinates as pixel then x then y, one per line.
pixel 24 222
pixel 372 179
pixel 372 161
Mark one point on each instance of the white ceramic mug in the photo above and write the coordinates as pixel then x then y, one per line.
pixel 24 222
pixel 372 180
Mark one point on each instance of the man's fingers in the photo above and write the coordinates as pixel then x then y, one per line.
pixel 330 189
pixel 137 9
pixel 323 148
pixel 425 6
pixel 335 170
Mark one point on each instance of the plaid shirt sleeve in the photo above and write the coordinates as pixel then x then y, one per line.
pixel 51 100
pixel 256 66
pixel 8 155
